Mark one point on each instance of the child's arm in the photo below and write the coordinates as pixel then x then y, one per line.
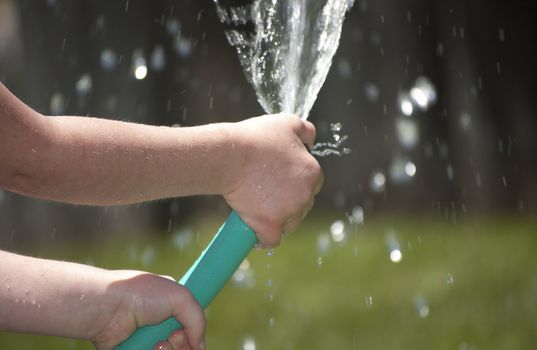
pixel 260 165
pixel 77 301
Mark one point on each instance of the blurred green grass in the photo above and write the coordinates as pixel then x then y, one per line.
pixel 470 285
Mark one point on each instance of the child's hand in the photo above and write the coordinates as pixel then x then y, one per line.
pixel 274 182
pixel 84 302
pixel 144 299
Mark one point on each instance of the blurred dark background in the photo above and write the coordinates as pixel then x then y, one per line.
pixel 468 151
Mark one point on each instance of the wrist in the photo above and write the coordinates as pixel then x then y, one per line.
pixel 227 155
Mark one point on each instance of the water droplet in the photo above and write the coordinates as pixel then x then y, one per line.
pixel 82 296
pixel 501 35
pixel 357 215
pixel 57 104
pixel 396 256
pixel 377 182
pixel 407 131
pixel 478 179
pixel 440 49
pixel 423 94
pixel 401 170
pixel 337 231
pixel 405 104
pixel 248 343
pixel 372 92
pixel 270 252
pixel 183 238
pixel 344 68
pixel 335 127
pixel 108 59
pixel 369 301
pixel 139 65
pixel 323 243
pixel 173 27
pixel 244 276
pixel 148 255
pixel 410 169
pixel 271 322
pixel 158 58
pixel 140 72
pixel 83 85
pixel 449 172
pixel 319 261
pixel 269 282
pixel 450 280
pixel 422 308
pixel 465 121
pixel 182 46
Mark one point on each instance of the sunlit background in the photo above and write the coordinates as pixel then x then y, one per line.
pixel 424 234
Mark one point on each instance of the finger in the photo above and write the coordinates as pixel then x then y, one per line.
pixel 178 340
pixel 307 208
pixel 168 277
pixel 270 241
pixel 267 230
pixel 307 133
pixel 163 345
pixel 320 183
pixel 189 313
pixel 292 224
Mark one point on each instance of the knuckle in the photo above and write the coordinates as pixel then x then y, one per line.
pixel 183 296
pixel 313 169
pixel 311 129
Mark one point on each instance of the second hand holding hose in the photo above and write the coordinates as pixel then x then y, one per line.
pixel 205 278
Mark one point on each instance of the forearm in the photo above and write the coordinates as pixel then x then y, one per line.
pixel 51 297
pixel 98 161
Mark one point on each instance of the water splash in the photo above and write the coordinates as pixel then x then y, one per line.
pixel 323 149
pixel 288 54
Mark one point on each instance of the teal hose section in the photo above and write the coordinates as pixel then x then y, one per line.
pixel 205 278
